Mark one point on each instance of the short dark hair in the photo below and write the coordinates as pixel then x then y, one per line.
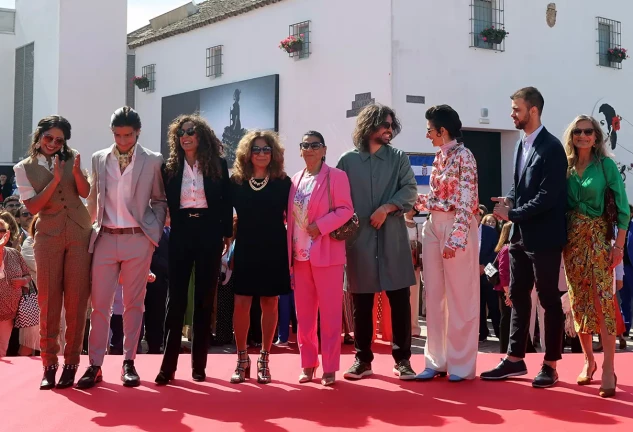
pixel 531 96
pixel 443 116
pixel 11 198
pixel 483 208
pixel 315 134
pixel 125 116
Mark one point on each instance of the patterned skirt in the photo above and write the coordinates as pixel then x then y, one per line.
pixel 589 279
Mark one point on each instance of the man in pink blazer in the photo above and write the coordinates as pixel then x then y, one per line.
pixel 318 204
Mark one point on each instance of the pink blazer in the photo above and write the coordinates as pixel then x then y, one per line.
pixel 325 251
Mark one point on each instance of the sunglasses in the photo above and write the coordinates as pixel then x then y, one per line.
pixel 587 132
pixel 181 132
pixel 26 214
pixel 313 146
pixel 257 150
pixel 11 205
pixel 386 125
pixel 47 139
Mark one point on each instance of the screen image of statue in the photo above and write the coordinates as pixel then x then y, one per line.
pixel 230 109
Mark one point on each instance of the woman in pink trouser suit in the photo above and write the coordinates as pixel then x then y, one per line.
pixel 319 203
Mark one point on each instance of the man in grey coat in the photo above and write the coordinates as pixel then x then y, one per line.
pixel 383 189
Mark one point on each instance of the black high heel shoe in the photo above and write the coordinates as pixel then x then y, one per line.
pixel 243 369
pixel 68 376
pixel 48 380
pixel 263 371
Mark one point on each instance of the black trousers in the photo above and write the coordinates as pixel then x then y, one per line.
pixel 116 342
pixel 527 270
pixel 504 323
pixel 399 300
pixel 488 297
pixel 193 240
pixel 154 317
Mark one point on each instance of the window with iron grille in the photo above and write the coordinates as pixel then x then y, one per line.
pixel 149 71
pixel 301 30
pixel 214 61
pixel 609 37
pixel 486 14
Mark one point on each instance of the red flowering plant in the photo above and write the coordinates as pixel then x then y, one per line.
pixel 615 123
pixel 292 44
pixel 617 54
pixel 141 82
pixel 493 35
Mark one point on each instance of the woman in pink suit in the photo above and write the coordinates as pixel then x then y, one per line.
pixel 319 203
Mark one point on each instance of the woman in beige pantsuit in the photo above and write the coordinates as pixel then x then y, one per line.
pixel 50 183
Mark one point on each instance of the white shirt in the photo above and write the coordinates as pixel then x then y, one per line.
pixel 25 189
pixel 118 192
pixel 192 189
pixel 528 141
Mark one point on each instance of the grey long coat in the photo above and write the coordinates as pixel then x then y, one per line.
pixel 380 260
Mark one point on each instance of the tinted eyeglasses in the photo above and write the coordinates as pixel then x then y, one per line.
pixel 12 205
pixel 386 125
pixel 587 132
pixel 313 146
pixel 47 139
pixel 26 214
pixel 257 150
pixel 181 132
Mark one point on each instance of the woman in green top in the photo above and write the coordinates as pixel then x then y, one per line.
pixel 589 256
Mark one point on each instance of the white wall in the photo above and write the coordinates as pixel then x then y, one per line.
pixel 38 21
pixel 92 62
pixel 432 58
pixel 351 53
pixel 7 80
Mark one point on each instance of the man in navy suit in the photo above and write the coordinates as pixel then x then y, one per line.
pixel 488 238
pixel 536 205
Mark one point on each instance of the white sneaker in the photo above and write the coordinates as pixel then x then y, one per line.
pixel 281 344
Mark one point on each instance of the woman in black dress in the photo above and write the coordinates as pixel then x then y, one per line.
pixel 260 189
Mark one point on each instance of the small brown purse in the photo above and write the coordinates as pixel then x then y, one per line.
pixel 349 229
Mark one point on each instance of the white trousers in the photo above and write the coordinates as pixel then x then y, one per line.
pixel 452 298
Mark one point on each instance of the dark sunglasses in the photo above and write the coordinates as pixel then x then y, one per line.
pixel 257 150
pixel 47 139
pixel 26 214
pixel 313 146
pixel 12 205
pixel 386 125
pixel 181 132
pixel 587 132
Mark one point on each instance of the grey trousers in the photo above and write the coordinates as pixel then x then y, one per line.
pixel 130 256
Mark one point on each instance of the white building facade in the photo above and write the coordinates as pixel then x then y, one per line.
pixel 63 57
pixel 409 54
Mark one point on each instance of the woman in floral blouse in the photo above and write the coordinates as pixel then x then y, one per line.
pixel 450 250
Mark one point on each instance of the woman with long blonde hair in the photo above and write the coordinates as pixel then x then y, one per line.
pixel 589 256
pixel 260 190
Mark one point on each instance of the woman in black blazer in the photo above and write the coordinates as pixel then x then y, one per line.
pixel 198 195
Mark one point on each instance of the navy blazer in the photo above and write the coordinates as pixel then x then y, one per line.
pixel 489 240
pixel 217 193
pixel 539 194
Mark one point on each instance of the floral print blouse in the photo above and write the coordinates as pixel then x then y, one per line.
pixel 453 186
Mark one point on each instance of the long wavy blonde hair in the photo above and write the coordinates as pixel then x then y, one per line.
pixel 598 151
pixel 243 167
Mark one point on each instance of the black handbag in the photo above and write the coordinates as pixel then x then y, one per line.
pixel 492 272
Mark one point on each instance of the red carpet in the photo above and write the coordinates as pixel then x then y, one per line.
pixel 380 403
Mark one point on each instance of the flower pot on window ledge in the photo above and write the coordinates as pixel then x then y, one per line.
pixel 495 39
pixel 294 47
pixel 615 59
pixel 141 82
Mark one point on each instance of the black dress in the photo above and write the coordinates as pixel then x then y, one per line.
pixel 261 251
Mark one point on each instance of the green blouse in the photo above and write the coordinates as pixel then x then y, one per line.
pixel 586 195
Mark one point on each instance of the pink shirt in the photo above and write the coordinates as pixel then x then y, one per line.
pixel 453 186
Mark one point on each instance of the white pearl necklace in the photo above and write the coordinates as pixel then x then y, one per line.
pixel 257 186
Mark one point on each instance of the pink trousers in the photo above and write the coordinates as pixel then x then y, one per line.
pixel 319 290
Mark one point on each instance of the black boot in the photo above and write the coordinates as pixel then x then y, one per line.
pixel 92 376
pixel 68 376
pixel 48 380
pixel 128 375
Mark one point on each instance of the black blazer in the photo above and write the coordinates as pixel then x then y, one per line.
pixel 539 194
pixel 489 240
pixel 217 193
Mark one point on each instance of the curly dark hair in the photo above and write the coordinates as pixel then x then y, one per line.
pixel 368 122
pixel 243 167
pixel 46 124
pixel 209 147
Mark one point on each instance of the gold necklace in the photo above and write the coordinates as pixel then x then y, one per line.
pixel 257 186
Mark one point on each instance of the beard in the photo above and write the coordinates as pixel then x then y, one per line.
pixel 522 123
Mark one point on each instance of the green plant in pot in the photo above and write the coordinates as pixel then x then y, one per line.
pixel 493 35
